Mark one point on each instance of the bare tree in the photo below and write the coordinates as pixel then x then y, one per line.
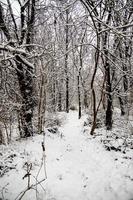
pixel 24 69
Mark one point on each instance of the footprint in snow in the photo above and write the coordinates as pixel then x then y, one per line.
pixel 69 148
pixel 60 177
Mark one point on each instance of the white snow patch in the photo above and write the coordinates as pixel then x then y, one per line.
pixel 78 167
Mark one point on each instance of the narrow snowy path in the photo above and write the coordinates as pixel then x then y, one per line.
pixel 82 169
pixel 78 167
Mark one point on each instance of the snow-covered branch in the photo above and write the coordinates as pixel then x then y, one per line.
pixel 13 50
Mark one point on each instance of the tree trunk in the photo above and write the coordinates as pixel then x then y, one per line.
pixel 79 98
pixel 85 99
pixel 109 111
pixel 121 106
pixel 66 63
pixel 97 53
pixel 2 140
pixel 42 103
pixel 25 80
pixel 60 102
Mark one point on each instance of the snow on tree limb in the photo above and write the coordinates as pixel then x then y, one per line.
pixel 13 50
pixel 25 3
pixel 116 28
pixel 25 62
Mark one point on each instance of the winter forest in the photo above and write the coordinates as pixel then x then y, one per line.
pixel 66 99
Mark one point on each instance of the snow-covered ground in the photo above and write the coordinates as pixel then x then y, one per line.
pixel 78 166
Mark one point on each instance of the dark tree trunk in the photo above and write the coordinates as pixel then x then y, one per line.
pixel 118 53
pixel 85 99
pixel 24 71
pixel 125 78
pixel 79 98
pixel 54 96
pixel 41 104
pixel 66 63
pixel 122 105
pixel 25 75
pixel 109 111
pixel 25 80
pixel 60 102
pixel 97 53
pixel 67 95
pixel 2 141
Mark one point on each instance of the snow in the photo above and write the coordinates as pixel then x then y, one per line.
pixel 78 165
pixel 13 50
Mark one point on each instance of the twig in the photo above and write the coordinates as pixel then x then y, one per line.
pixel 2 191
pixel 20 196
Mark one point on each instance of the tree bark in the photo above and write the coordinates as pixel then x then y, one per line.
pixel 25 79
pixel 66 63
pixel 79 97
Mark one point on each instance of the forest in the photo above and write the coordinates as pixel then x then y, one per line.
pixel 66 99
